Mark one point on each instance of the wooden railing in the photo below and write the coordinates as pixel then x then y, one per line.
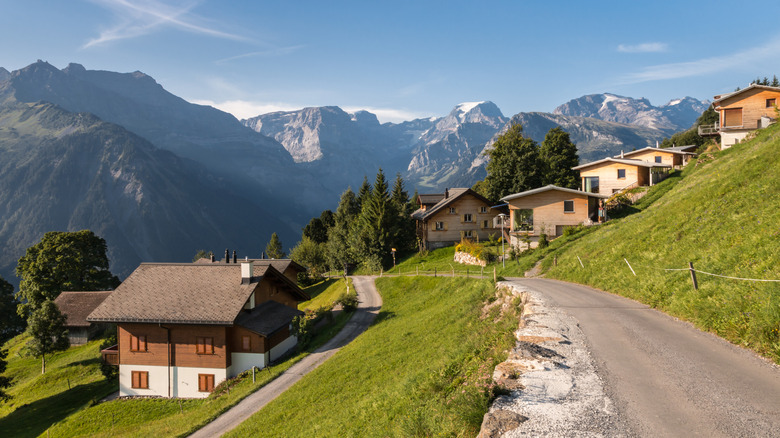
pixel 111 355
pixel 712 129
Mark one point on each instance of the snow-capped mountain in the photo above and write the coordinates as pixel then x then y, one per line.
pixel 677 115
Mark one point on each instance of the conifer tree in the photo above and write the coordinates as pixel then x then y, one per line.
pixel 274 247
pixel 403 230
pixel 559 155
pixel 364 193
pixel 340 254
pixel 775 81
pixel 371 239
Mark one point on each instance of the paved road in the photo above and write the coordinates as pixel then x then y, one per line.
pixel 370 303
pixel 665 377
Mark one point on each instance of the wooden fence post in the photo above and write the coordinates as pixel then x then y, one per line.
pixel 434 271
pixel 467 272
pixel 418 270
pixel 693 276
pixel 495 279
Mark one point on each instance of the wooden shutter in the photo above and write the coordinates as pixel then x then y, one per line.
pixel 133 343
pixel 246 343
pixel 732 117
pixel 144 379
pixel 205 382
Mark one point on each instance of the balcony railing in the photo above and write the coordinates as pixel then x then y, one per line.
pixel 705 130
pixel 111 355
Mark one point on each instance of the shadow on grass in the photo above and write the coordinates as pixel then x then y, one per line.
pixel 86 362
pixel 33 419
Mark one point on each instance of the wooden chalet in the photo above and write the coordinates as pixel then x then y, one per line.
pixel 445 219
pixel 677 156
pixel 742 112
pixel 182 328
pixel 613 175
pixel 549 210
pixel 76 306
pixel 288 267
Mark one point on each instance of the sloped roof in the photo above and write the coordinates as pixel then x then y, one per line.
pixel 628 161
pixel 675 150
pixel 76 306
pixel 267 317
pixel 548 188
pixel 721 97
pixel 431 198
pixel 280 265
pixel 185 293
pixel 454 195
pixel 686 148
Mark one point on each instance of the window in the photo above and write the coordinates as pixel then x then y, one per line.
pixel 440 226
pixel 524 220
pixel 658 159
pixel 205 382
pixel 246 343
pixel 468 218
pixel 483 210
pixel 138 343
pixel 452 210
pixel 485 224
pixel 590 184
pixel 621 173
pixel 468 234
pixel 770 103
pixel 732 117
pixel 140 379
pixel 568 206
pixel 204 345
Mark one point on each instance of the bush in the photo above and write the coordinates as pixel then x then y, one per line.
pixel 348 301
pixel 466 245
pixel 304 280
pixel 301 327
pixel 543 243
pixel 110 372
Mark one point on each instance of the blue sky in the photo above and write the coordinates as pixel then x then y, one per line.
pixel 402 60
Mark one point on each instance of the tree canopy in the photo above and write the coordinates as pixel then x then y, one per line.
pixel 46 327
pixel 559 155
pixel 11 324
pixel 63 261
pixel 514 166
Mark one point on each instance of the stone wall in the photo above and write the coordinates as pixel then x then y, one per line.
pixel 468 259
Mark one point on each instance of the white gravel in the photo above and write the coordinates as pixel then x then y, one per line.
pixel 563 395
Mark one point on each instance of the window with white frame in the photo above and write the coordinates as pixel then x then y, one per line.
pixel 483 210
pixel 568 206
pixel 439 226
pixel 452 210
pixel 468 217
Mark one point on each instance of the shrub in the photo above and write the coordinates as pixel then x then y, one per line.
pixel 466 245
pixel 304 280
pixel 110 372
pixel 543 243
pixel 348 301
pixel 302 327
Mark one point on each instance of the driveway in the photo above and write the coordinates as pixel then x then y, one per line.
pixel 369 304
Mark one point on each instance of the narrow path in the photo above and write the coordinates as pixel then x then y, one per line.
pixel 663 376
pixel 369 304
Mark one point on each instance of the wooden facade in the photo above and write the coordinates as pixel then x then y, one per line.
pixel 658 155
pixel 609 176
pixel 551 210
pixel 744 111
pixel 460 214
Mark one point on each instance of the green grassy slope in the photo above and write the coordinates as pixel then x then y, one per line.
pixel 71 382
pixel 724 216
pixel 421 370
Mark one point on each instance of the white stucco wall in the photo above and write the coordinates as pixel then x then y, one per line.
pixel 282 348
pixel 729 139
pixel 184 380
pixel 244 361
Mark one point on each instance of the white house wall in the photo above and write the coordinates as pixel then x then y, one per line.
pixel 283 347
pixel 187 380
pixel 244 361
pixel 184 380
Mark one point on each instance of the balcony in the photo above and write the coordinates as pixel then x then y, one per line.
pixel 111 355
pixel 708 130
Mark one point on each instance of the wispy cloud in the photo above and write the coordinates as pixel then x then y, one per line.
pixel 244 109
pixel 706 65
pixel 139 18
pixel 642 48
pixel 279 51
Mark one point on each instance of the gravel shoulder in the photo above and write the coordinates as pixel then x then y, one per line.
pixel 604 365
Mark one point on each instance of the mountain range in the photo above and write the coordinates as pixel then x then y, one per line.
pixel 160 177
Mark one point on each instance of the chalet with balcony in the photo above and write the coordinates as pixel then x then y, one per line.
pixel 743 112
pixel 550 210
pixel 461 213
pixel 182 328
pixel 677 156
pixel 613 175
pixel 76 306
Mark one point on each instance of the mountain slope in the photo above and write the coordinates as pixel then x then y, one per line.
pixel 723 217
pixel 672 117
pixel 66 171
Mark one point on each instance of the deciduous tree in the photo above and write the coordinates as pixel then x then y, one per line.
pixel 63 261
pixel 11 324
pixel 46 327
pixel 310 254
pixel 514 165
pixel 559 155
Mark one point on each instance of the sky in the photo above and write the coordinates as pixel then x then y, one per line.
pixel 403 59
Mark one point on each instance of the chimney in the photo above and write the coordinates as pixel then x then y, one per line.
pixel 234 256
pixel 212 257
pixel 247 268
pixel 621 154
pixel 446 193
pixel 227 256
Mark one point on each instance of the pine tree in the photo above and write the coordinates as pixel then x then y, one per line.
pixel 274 247
pixel 775 81
pixel 339 252
pixel 514 165
pixel 364 193
pixel 403 230
pixel 372 236
pixel 559 155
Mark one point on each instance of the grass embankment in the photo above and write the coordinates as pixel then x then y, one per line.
pixel 71 382
pixel 724 216
pixel 423 368
pixel 139 417
pixel 324 293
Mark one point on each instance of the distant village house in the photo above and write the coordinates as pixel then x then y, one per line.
pixel 743 112
pixel 76 306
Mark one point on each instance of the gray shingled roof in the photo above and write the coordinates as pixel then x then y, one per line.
pixel 430 198
pixel 267 318
pixel 628 161
pixel 76 306
pixel 454 194
pixel 552 187
pixel 183 293
pixel 672 150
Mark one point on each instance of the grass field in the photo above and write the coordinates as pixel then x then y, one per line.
pixel 324 293
pixel 422 369
pixel 724 217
